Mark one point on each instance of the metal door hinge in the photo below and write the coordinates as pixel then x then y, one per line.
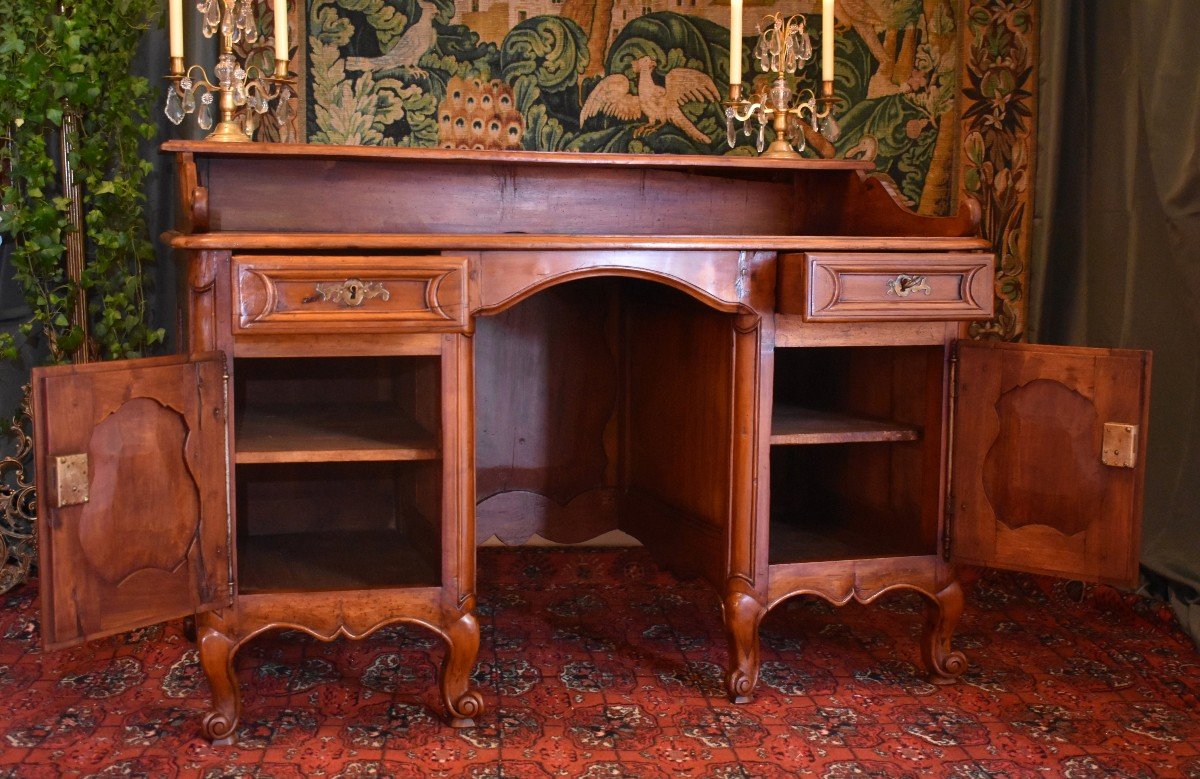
pixel 1119 448
pixel 70 480
pixel 951 410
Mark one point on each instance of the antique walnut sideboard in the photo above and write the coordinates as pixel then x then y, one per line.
pixel 390 355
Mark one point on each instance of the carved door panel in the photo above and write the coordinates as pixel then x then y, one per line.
pixel 1048 459
pixel 133 509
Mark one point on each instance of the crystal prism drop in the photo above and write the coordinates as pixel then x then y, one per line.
pixel 212 18
pixel 760 142
pixel 205 117
pixel 730 131
pixel 239 94
pixel 263 105
pixel 801 142
pixel 284 112
pixel 189 101
pixel 806 50
pixel 174 107
pixel 831 129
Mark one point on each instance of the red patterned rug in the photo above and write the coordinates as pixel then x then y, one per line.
pixel 597 664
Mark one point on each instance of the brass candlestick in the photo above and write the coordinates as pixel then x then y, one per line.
pixel 784 47
pixel 236 87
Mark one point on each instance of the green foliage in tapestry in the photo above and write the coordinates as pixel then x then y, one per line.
pixel 378 68
pixel 51 63
pixel 897 84
pixel 542 59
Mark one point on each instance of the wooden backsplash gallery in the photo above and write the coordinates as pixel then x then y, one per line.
pixel 940 94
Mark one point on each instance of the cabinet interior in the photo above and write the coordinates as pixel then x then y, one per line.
pixel 338 472
pixel 855 452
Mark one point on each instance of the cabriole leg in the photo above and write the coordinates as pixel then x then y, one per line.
pixel 742 613
pixel 462 646
pixel 941 617
pixel 216 658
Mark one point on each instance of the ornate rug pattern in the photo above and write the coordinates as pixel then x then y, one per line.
pixel 597 664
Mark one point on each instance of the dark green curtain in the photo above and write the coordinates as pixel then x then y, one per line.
pixel 1116 256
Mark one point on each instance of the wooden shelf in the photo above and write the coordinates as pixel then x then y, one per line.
pixel 797 425
pixel 842 531
pixel 368 432
pixel 341 560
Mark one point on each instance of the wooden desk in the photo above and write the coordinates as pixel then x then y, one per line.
pixel 391 355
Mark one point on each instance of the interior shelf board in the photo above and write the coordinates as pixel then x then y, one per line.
pixel 846 534
pixel 328 561
pixel 323 433
pixel 799 425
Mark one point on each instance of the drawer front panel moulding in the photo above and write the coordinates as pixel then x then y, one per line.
pixel 869 287
pixel 329 294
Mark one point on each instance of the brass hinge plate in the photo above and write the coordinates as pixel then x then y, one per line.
pixel 1120 445
pixel 70 480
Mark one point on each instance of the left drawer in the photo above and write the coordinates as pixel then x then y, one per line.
pixel 321 294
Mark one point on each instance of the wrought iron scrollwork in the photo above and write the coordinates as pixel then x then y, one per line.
pixel 18 503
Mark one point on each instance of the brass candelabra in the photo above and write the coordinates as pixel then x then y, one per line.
pixel 784 48
pixel 235 87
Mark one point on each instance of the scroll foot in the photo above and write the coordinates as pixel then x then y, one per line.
pixel 943 663
pixel 742 616
pixel 463 705
pixel 216 658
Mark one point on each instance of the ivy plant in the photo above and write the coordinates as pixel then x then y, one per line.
pixel 78 59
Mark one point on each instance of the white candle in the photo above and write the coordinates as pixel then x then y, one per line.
pixel 827 40
pixel 281 31
pixel 175 17
pixel 735 41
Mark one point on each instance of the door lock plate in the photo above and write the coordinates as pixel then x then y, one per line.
pixel 1119 448
pixel 70 480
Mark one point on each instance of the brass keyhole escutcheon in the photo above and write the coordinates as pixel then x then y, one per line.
pixel 351 293
pixel 905 284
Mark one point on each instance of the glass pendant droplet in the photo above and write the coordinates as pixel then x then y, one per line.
pixel 730 130
pixel 189 100
pixel 174 106
pixel 205 117
pixel 806 49
pixel 212 18
pixel 830 128
pixel 284 112
pixel 761 142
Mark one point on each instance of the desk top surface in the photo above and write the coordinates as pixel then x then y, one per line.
pixel 469 156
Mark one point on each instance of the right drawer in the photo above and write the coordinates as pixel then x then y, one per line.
pixel 885 286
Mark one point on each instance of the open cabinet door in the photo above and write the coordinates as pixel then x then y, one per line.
pixel 133 488
pixel 1049 451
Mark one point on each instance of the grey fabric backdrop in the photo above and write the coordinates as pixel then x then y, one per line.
pixel 1116 257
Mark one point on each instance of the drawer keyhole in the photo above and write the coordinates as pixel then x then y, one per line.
pixel 905 284
pixel 351 293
